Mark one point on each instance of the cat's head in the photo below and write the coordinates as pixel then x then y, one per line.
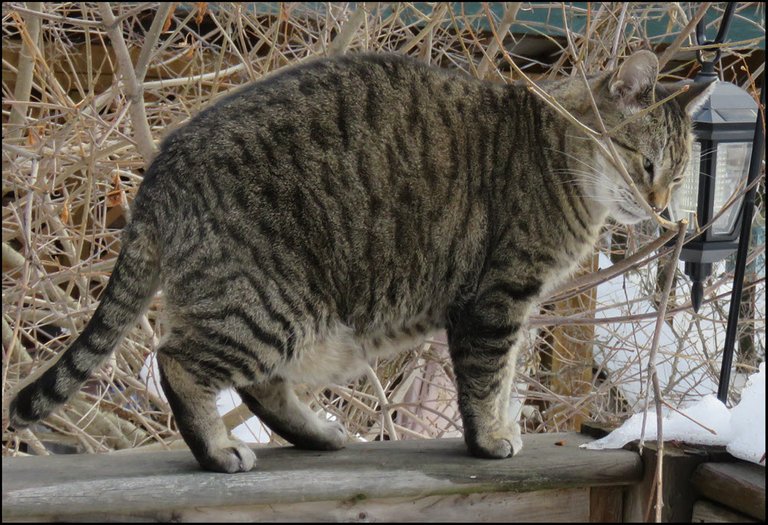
pixel 655 148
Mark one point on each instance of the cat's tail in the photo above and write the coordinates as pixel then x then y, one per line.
pixel 132 285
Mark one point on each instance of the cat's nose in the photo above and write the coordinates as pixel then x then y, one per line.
pixel 658 201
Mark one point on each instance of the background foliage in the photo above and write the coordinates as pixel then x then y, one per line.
pixel 89 90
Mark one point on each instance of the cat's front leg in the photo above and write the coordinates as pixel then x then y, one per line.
pixel 484 339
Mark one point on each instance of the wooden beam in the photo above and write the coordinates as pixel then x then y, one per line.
pixel 680 462
pixel 606 504
pixel 552 506
pixel 705 511
pixel 170 485
pixel 739 486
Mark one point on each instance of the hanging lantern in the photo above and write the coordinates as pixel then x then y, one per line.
pixel 724 127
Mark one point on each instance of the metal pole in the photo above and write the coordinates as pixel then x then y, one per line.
pixel 758 147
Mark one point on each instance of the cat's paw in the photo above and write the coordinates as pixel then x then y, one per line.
pixel 499 444
pixel 335 434
pixel 236 458
pixel 318 434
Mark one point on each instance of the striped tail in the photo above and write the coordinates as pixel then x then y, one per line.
pixel 134 281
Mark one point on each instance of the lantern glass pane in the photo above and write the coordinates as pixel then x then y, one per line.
pixel 686 197
pixel 731 172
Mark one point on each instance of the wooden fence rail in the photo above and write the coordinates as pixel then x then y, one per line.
pixel 431 480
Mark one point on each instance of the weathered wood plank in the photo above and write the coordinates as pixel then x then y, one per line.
pixel 551 506
pixel 678 493
pixel 606 504
pixel 705 511
pixel 127 483
pixel 740 486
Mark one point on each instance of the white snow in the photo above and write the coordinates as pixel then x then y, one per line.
pixel 748 421
pixel 708 411
pixel 706 422
pixel 623 347
pixel 688 373
pixel 150 374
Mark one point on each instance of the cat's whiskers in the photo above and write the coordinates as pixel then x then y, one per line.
pixel 573 157
pixel 585 176
pixel 581 175
pixel 591 175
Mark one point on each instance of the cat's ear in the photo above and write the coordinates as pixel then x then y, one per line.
pixel 697 94
pixel 633 83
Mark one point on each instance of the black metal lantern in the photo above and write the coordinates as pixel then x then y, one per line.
pixel 724 128
pixel 727 155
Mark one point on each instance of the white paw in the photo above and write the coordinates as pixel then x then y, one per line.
pixel 498 444
pixel 334 434
pixel 517 444
pixel 236 458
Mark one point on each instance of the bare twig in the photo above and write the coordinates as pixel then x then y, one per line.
pixel 617 38
pixel 652 371
pixel 584 282
pixel 26 67
pixel 683 35
pixel 133 89
pixel 78 22
pixel 151 39
pixel 510 14
pixel 351 26
pixel 383 401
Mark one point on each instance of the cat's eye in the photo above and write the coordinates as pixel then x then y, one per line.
pixel 648 166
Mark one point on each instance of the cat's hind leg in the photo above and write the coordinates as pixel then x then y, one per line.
pixel 276 404
pixel 194 407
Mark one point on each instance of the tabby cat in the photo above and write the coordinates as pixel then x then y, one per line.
pixel 339 210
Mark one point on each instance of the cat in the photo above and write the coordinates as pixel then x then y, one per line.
pixel 339 210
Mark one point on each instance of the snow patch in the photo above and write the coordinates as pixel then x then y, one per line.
pixel 705 422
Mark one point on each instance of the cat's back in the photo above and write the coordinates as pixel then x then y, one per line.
pixel 321 86
pixel 335 122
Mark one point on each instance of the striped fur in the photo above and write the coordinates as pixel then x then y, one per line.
pixel 338 211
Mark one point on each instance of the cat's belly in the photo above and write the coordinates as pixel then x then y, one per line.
pixel 341 355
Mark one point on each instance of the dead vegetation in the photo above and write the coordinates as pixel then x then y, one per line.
pixel 77 137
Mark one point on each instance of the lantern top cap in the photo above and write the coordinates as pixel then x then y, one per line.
pixel 727 104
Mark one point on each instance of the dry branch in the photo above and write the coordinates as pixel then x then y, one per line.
pixel 133 89
pixel 31 37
